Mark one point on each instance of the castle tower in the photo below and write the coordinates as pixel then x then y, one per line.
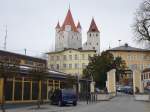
pixel 93 38
pixel 68 35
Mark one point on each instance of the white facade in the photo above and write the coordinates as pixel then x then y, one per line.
pixel 67 39
pixel 93 42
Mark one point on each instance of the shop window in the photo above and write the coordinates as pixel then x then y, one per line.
pixel 44 90
pixel 35 91
pixel 18 91
pixel 27 86
pixel 8 90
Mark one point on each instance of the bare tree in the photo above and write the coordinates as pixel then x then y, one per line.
pixel 141 26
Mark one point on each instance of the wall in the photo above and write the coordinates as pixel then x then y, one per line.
pixel 1 90
pixel 82 58
pixel 111 81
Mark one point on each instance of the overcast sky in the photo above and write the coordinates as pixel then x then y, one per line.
pixel 31 23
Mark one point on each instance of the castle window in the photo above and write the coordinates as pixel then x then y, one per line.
pixel 97 35
pixel 97 43
pixel 90 34
pixel 94 48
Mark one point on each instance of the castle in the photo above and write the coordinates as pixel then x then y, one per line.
pixel 69 35
pixel 70 56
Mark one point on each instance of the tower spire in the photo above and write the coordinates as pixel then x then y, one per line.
pixel 93 26
pixel 69 21
pixel 57 26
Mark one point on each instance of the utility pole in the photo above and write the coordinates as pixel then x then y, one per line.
pixel 25 51
pixel 5 40
pixel 119 42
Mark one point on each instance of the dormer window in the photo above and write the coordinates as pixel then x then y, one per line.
pixel 68 28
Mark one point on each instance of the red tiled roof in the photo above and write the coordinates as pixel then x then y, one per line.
pixel 69 21
pixel 58 26
pixel 93 26
pixel 78 25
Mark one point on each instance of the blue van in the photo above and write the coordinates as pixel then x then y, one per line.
pixel 64 96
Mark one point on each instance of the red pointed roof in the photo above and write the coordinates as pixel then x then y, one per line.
pixel 93 26
pixel 78 25
pixel 58 26
pixel 69 21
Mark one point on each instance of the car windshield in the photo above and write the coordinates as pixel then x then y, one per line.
pixel 68 91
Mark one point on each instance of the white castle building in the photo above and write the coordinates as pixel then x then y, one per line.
pixel 69 35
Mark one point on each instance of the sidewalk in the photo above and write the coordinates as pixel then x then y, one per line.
pixel 44 107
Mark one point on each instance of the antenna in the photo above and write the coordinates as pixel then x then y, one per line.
pixel 5 40
pixel 69 6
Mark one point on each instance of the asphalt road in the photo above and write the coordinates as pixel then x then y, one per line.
pixel 117 104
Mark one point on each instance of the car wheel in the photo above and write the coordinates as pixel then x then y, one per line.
pixel 74 103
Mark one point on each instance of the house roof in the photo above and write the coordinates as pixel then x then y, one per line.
pixel 21 56
pixel 69 21
pixel 93 26
pixel 80 50
pixel 126 47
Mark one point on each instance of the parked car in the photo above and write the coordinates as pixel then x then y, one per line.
pixel 128 90
pixel 120 89
pixel 64 96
